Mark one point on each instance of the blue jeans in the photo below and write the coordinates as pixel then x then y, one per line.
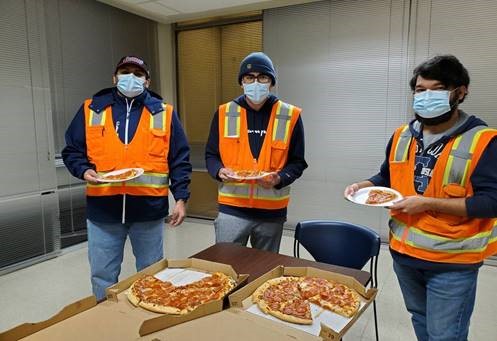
pixel 264 235
pixel 106 248
pixel 440 302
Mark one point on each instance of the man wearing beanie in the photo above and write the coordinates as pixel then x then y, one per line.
pixel 255 132
pixel 128 126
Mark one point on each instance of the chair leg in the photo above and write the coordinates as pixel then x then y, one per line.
pixel 375 320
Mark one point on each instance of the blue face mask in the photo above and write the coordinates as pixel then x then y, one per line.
pixel 432 103
pixel 130 85
pixel 256 92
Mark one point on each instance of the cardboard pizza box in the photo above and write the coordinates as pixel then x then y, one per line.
pixel 325 327
pixel 116 318
pixel 237 323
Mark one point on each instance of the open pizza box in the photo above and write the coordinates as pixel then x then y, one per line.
pixel 326 325
pixel 116 318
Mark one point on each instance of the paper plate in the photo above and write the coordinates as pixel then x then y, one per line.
pixel 254 177
pixel 138 172
pixel 361 196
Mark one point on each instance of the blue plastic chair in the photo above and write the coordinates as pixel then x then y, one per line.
pixel 340 243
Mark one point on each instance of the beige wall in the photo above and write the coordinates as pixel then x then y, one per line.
pixel 167 64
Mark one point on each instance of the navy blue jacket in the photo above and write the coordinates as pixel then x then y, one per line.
pixel 108 209
pixel 483 204
pixel 257 122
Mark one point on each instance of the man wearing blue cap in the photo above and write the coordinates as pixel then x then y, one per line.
pixel 260 135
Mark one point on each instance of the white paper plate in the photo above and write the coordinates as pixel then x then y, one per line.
pixel 237 177
pixel 139 171
pixel 361 196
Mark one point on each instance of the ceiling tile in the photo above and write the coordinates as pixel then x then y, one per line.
pixel 157 9
pixel 192 6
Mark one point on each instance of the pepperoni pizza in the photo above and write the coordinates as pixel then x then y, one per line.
pixel 378 196
pixel 289 298
pixel 163 297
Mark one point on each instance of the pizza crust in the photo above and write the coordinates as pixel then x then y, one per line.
pixel 132 297
pixel 158 308
pixel 257 294
pixel 289 318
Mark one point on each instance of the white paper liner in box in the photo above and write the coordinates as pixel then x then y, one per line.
pixel 179 276
pixel 319 315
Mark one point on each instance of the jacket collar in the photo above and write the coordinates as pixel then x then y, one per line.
pixel 471 121
pixel 241 100
pixel 109 96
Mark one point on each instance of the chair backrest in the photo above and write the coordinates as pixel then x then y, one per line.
pixel 338 243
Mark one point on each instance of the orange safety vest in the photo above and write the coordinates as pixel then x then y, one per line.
pixel 148 149
pixel 435 236
pixel 235 152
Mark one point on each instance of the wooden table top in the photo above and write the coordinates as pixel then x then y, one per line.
pixel 254 262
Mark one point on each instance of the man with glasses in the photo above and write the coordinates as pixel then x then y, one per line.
pixel 443 163
pixel 258 134
pixel 128 126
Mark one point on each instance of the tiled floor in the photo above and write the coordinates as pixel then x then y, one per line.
pixel 35 293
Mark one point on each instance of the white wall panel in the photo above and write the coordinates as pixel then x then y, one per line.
pixel 467 30
pixel 344 63
pixel 348 64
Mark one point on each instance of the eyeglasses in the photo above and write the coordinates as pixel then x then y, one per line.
pixel 261 78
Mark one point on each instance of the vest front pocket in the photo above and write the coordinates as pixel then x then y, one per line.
pixel 232 153
pixel 279 153
pixel 159 142
pixel 95 144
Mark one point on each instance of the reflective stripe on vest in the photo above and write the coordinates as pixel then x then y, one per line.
pixel 403 143
pixel 158 121
pixel 96 118
pixel 423 240
pixel 243 190
pixel 281 125
pixel 459 160
pixel 151 180
pixel 232 120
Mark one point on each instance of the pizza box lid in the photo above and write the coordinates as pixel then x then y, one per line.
pixel 116 318
pixel 241 299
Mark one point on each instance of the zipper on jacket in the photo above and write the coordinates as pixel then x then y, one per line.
pixel 126 136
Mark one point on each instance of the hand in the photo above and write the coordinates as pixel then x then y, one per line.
pixel 270 180
pixel 225 174
pixel 91 176
pixel 411 205
pixel 179 213
pixel 350 190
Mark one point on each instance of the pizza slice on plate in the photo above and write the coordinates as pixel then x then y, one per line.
pixel 379 196
pixel 121 176
pixel 249 173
